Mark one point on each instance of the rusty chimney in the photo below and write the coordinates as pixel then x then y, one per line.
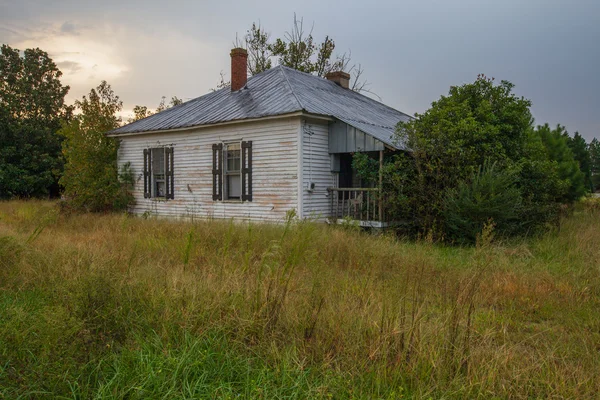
pixel 239 68
pixel 339 77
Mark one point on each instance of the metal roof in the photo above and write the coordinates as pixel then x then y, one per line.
pixel 277 91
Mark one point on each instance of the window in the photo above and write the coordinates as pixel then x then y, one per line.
pixel 158 173
pixel 232 171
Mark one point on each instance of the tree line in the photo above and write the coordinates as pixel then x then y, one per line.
pixel 49 148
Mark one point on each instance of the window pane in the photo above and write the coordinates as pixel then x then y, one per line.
pixel 233 154
pixel 160 189
pixel 234 188
pixel 158 161
pixel 158 172
pixel 233 164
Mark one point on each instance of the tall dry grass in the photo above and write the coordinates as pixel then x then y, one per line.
pixel 117 306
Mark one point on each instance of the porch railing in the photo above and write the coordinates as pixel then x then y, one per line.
pixel 360 204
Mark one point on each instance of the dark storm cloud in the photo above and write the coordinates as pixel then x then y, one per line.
pixel 412 51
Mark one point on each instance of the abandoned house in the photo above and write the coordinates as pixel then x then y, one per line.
pixel 282 140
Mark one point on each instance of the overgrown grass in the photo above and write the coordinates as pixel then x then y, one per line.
pixel 111 306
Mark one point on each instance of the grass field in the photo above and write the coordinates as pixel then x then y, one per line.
pixel 111 306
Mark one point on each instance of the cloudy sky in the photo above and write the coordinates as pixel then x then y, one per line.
pixel 412 51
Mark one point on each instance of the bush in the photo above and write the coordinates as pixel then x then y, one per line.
pixel 590 204
pixel 398 183
pixel 449 142
pixel 490 195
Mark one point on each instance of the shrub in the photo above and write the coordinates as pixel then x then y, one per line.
pixel 590 204
pixel 449 142
pixel 399 186
pixel 490 195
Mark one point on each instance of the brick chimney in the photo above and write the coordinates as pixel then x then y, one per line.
pixel 339 77
pixel 239 68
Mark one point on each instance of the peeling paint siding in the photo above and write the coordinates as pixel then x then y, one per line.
pixel 274 170
pixel 316 168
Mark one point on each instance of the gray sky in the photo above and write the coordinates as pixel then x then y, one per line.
pixel 412 51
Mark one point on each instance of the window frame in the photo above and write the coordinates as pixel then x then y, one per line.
pixel 221 174
pixel 153 179
pixel 227 173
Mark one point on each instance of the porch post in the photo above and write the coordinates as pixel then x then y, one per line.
pixel 381 185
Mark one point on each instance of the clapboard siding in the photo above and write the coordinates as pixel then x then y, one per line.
pixel 274 170
pixel 316 168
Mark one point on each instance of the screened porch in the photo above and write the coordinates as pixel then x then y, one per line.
pixel 353 199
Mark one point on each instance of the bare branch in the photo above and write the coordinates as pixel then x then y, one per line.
pixel 259 50
pixel 222 82
pixel 358 84
pixel 297 50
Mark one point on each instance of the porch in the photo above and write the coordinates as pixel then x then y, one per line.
pixel 363 206
pixel 354 198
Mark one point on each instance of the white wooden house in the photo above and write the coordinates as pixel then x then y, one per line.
pixel 279 141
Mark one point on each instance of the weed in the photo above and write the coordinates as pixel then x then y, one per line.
pixel 100 306
pixel 188 247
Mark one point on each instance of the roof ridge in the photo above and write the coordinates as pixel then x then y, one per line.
pixel 353 92
pixel 290 86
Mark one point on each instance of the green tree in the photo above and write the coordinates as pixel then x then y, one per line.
pixel 91 178
pixel 476 122
pixel 162 106
pixel 31 109
pixel 581 154
pixel 594 150
pixel 299 50
pixel 557 147
pixel 140 112
pixel 259 50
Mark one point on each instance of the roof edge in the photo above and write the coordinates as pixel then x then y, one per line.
pixel 389 143
pixel 237 121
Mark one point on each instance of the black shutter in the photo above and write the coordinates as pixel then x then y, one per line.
pixel 247 171
pixel 217 171
pixel 169 182
pixel 147 175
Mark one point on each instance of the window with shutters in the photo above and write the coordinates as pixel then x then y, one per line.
pixel 158 173
pixel 232 171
